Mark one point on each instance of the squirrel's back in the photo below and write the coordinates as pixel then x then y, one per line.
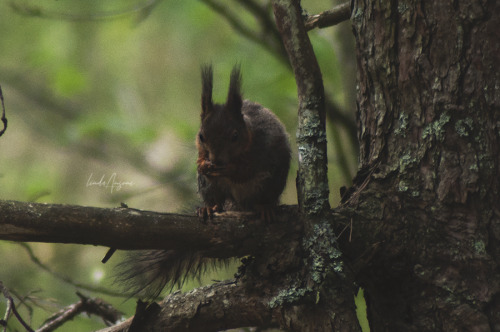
pixel 270 155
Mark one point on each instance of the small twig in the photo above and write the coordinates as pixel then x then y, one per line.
pixel 329 18
pixel 12 307
pixel 4 119
pixel 90 306
pixel 108 255
pixel 26 301
pixel 111 251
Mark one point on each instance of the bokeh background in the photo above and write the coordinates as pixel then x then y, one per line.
pixel 111 90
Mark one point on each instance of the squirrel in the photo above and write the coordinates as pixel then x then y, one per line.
pixel 243 162
pixel 243 152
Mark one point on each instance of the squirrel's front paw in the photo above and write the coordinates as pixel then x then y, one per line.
pixel 207 212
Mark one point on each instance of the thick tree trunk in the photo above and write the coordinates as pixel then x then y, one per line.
pixel 427 245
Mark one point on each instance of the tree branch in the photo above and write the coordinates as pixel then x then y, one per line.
pixel 215 307
pixel 96 306
pixel 319 243
pixel 328 18
pixel 11 307
pixel 312 177
pixel 228 235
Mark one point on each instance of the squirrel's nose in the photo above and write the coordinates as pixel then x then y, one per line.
pixel 214 159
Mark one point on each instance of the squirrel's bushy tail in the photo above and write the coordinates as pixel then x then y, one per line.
pixel 146 273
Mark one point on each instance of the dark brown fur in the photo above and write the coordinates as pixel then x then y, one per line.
pixel 243 161
pixel 243 151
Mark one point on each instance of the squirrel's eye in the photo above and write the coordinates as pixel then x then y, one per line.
pixel 201 137
pixel 234 136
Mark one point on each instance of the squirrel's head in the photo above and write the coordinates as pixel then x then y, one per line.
pixel 223 135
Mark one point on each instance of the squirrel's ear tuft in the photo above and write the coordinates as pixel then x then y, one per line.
pixel 207 77
pixel 234 99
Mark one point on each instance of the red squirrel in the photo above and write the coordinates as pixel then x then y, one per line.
pixel 243 152
pixel 243 162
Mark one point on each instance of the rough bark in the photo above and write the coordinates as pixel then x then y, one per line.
pixel 230 234
pixel 324 276
pixel 426 245
pixel 210 308
pixel 312 179
pixel 330 17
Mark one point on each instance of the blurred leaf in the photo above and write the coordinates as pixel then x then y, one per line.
pixel 68 81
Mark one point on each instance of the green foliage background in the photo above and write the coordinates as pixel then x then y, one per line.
pixel 91 95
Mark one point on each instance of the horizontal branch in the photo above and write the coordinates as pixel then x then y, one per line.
pixel 216 307
pixel 227 235
pixel 330 17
